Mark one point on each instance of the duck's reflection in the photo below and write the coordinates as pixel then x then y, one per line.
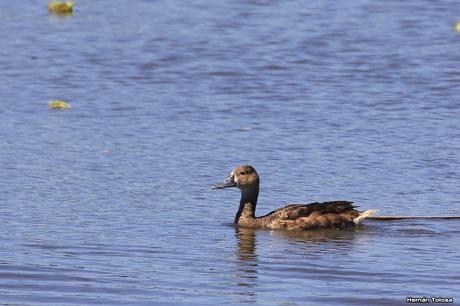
pixel 312 244
pixel 247 257
pixel 323 235
pixel 246 265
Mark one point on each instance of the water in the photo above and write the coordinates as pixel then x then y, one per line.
pixel 109 202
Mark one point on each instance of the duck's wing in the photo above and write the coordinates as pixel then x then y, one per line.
pixel 315 215
pixel 295 211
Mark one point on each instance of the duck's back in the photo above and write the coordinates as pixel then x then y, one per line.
pixel 313 215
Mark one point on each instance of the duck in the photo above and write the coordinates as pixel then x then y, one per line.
pixel 333 214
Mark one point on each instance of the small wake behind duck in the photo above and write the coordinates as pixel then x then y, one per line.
pixel 390 218
pixel 333 214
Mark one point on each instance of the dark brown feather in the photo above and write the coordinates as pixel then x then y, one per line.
pixel 313 215
pixel 294 211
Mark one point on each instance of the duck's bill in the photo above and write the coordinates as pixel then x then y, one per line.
pixel 229 182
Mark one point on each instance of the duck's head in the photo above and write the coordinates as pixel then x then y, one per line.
pixel 242 177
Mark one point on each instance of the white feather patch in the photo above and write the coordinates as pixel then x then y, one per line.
pixel 234 177
pixel 364 215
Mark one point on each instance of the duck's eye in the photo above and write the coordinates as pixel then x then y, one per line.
pixel 242 173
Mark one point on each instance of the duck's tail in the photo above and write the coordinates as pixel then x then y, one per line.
pixel 363 215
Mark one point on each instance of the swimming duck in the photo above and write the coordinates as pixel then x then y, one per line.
pixel 333 214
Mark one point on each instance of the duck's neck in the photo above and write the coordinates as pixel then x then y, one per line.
pixel 248 203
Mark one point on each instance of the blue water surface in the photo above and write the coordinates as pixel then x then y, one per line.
pixel 109 202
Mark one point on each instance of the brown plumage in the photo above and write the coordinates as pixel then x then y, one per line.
pixel 333 214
